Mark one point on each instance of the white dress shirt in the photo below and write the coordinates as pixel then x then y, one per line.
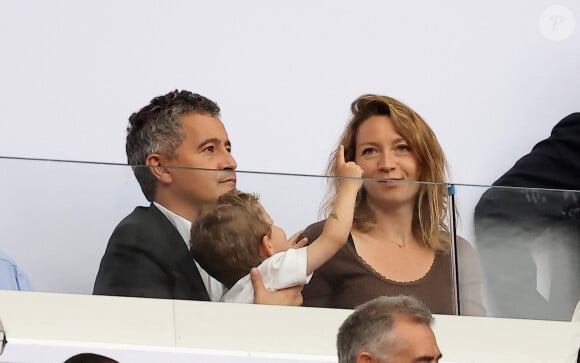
pixel 214 288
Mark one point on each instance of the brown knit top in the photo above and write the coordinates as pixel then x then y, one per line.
pixel 346 281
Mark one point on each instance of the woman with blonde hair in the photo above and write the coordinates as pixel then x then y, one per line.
pixel 400 242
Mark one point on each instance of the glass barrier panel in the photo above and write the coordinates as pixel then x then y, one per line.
pixel 527 242
pixel 58 215
pixel 516 256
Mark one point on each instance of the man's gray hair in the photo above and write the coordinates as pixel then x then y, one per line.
pixel 367 328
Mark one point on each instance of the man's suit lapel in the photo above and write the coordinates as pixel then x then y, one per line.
pixel 188 282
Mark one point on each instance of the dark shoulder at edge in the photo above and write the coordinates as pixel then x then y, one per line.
pixel 313 231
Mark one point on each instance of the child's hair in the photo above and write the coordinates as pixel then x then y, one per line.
pixel 226 239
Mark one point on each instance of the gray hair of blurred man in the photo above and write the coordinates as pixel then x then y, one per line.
pixel 368 328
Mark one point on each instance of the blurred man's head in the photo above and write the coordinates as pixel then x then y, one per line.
pixel 89 358
pixel 388 330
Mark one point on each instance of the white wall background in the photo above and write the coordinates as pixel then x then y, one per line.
pixel 284 72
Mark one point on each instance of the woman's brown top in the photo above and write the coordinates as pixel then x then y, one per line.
pixel 346 281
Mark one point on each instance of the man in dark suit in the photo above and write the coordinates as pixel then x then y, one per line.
pixel 509 222
pixel 180 152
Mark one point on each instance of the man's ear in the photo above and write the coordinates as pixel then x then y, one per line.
pixel 266 249
pixel 161 173
pixel 365 357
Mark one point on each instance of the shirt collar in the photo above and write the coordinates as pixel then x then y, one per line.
pixel 182 225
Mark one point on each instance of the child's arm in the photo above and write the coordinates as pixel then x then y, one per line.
pixel 339 222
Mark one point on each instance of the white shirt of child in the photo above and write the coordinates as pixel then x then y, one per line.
pixel 279 271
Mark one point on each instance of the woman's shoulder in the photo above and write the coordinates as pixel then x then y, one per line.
pixel 465 248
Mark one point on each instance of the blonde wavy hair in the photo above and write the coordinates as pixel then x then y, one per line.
pixel 430 210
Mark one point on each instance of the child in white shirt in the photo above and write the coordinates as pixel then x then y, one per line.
pixel 238 234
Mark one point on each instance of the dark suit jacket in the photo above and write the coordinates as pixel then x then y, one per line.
pixel 508 221
pixel 553 163
pixel 146 257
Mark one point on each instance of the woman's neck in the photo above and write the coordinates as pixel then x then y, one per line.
pixel 393 224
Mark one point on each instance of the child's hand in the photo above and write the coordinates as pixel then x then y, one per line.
pixel 351 172
pixel 293 242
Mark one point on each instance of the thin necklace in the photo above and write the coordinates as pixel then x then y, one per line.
pixel 399 244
